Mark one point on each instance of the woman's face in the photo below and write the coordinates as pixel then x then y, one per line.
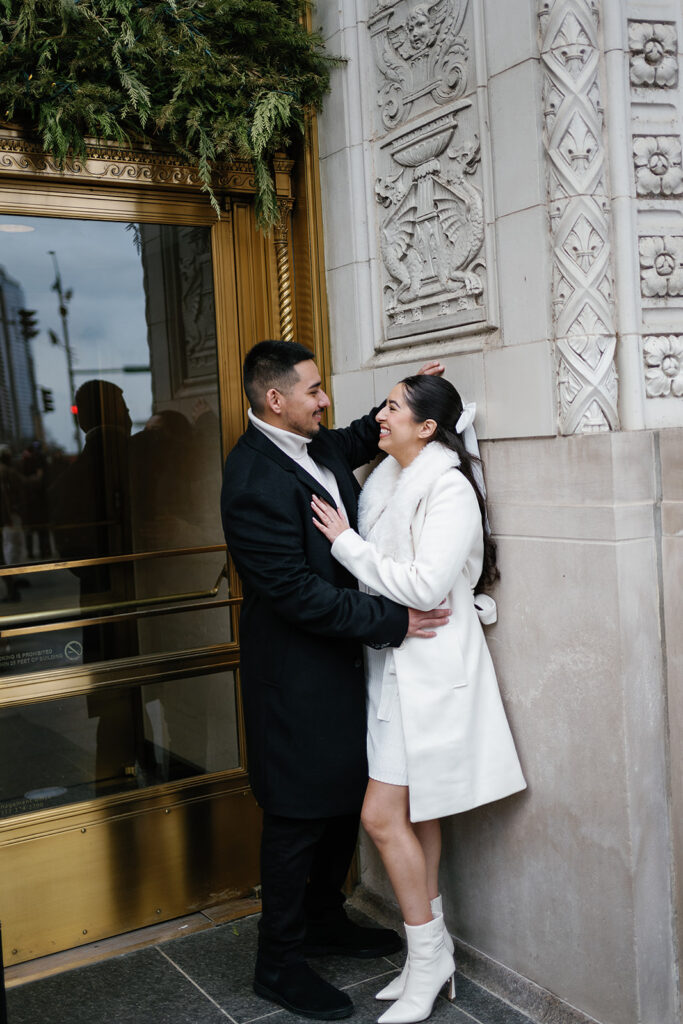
pixel 399 433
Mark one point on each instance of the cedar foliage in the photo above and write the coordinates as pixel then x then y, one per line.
pixel 212 79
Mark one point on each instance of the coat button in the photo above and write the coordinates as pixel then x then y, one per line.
pixel 358 663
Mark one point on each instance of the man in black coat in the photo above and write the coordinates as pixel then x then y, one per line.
pixel 302 627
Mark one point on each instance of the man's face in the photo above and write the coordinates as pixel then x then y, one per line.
pixel 302 405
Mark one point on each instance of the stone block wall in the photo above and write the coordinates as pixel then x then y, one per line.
pixel 562 121
pixel 571 884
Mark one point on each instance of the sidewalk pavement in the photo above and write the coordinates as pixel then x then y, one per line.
pixel 205 978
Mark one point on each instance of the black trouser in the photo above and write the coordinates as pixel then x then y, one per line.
pixel 304 863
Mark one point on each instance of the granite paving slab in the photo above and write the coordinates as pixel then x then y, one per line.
pixel 137 988
pixel 206 978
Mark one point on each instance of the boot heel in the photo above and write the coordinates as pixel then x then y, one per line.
pixel 451 988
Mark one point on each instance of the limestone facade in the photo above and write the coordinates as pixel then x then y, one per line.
pixel 503 190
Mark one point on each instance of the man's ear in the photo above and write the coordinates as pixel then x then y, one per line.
pixel 427 429
pixel 273 401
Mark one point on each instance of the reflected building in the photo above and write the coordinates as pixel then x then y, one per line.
pixel 19 413
pixel 133 515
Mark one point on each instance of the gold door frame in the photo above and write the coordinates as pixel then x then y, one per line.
pixel 117 184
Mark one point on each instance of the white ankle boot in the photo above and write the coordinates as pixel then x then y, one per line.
pixel 395 987
pixel 430 966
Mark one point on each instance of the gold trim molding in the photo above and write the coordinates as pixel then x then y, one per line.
pixel 283 255
pixel 284 276
pixel 118 165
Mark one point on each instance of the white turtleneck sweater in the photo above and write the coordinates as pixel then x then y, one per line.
pixel 295 447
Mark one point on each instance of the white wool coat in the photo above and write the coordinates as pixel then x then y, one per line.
pixel 423 548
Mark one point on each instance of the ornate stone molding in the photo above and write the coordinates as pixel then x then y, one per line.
pixel 21 156
pixel 582 277
pixel 654 77
pixel 429 191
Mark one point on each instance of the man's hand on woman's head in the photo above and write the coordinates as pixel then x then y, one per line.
pixel 432 369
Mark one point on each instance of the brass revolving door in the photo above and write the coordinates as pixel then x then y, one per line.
pixel 125 312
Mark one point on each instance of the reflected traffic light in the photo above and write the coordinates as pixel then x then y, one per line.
pixel 29 323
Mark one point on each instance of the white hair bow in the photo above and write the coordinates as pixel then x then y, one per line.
pixel 466 418
pixel 465 426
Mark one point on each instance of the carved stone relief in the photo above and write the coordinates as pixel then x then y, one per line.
pixel 420 54
pixel 653 54
pixel 180 311
pixel 657 165
pixel 582 276
pixel 196 287
pixel 658 174
pixel 661 266
pixel 663 355
pixel 429 191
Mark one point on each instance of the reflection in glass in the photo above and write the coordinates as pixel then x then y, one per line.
pixel 54 753
pixel 109 432
pixel 109 447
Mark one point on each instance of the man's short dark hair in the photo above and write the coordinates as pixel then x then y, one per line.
pixel 100 402
pixel 271 364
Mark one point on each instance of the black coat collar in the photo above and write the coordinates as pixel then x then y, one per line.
pixel 322 453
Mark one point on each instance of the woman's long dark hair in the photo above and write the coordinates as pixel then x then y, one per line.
pixel 433 398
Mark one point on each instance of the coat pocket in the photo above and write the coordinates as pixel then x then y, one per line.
pixel 457 671
pixel 459 677
pixel 435 663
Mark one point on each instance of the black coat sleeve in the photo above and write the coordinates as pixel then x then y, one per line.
pixel 268 546
pixel 357 443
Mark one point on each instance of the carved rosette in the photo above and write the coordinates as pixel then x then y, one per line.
pixel 653 56
pixel 657 166
pixel 661 266
pixel 430 201
pixel 582 278
pixel 663 356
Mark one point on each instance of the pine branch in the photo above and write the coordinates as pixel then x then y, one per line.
pixel 213 79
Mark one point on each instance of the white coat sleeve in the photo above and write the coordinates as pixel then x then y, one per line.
pixel 451 530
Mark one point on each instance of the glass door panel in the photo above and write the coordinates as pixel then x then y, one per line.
pixel 110 472
pixel 61 752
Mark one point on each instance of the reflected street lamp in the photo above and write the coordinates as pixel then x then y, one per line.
pixel 64 300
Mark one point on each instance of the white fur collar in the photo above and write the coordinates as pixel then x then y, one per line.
pixel 391 495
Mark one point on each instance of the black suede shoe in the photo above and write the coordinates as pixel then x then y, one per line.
pixel 346 938
pixel 299 989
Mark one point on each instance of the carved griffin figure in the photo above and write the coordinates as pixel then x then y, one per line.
pixel 439 241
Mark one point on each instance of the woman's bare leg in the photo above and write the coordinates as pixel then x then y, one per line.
pixel 387 822
pixel 429 837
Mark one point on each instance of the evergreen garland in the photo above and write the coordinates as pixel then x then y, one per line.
pixel 215 79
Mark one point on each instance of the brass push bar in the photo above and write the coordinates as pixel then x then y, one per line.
pixel 103 620
pixel 76 563
pixel 54 615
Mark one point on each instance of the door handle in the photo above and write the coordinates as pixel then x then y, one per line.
pixel 56 614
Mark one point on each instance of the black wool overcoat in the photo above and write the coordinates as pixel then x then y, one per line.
pixel 303 623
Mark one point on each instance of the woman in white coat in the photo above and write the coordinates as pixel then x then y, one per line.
pixel 438 738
